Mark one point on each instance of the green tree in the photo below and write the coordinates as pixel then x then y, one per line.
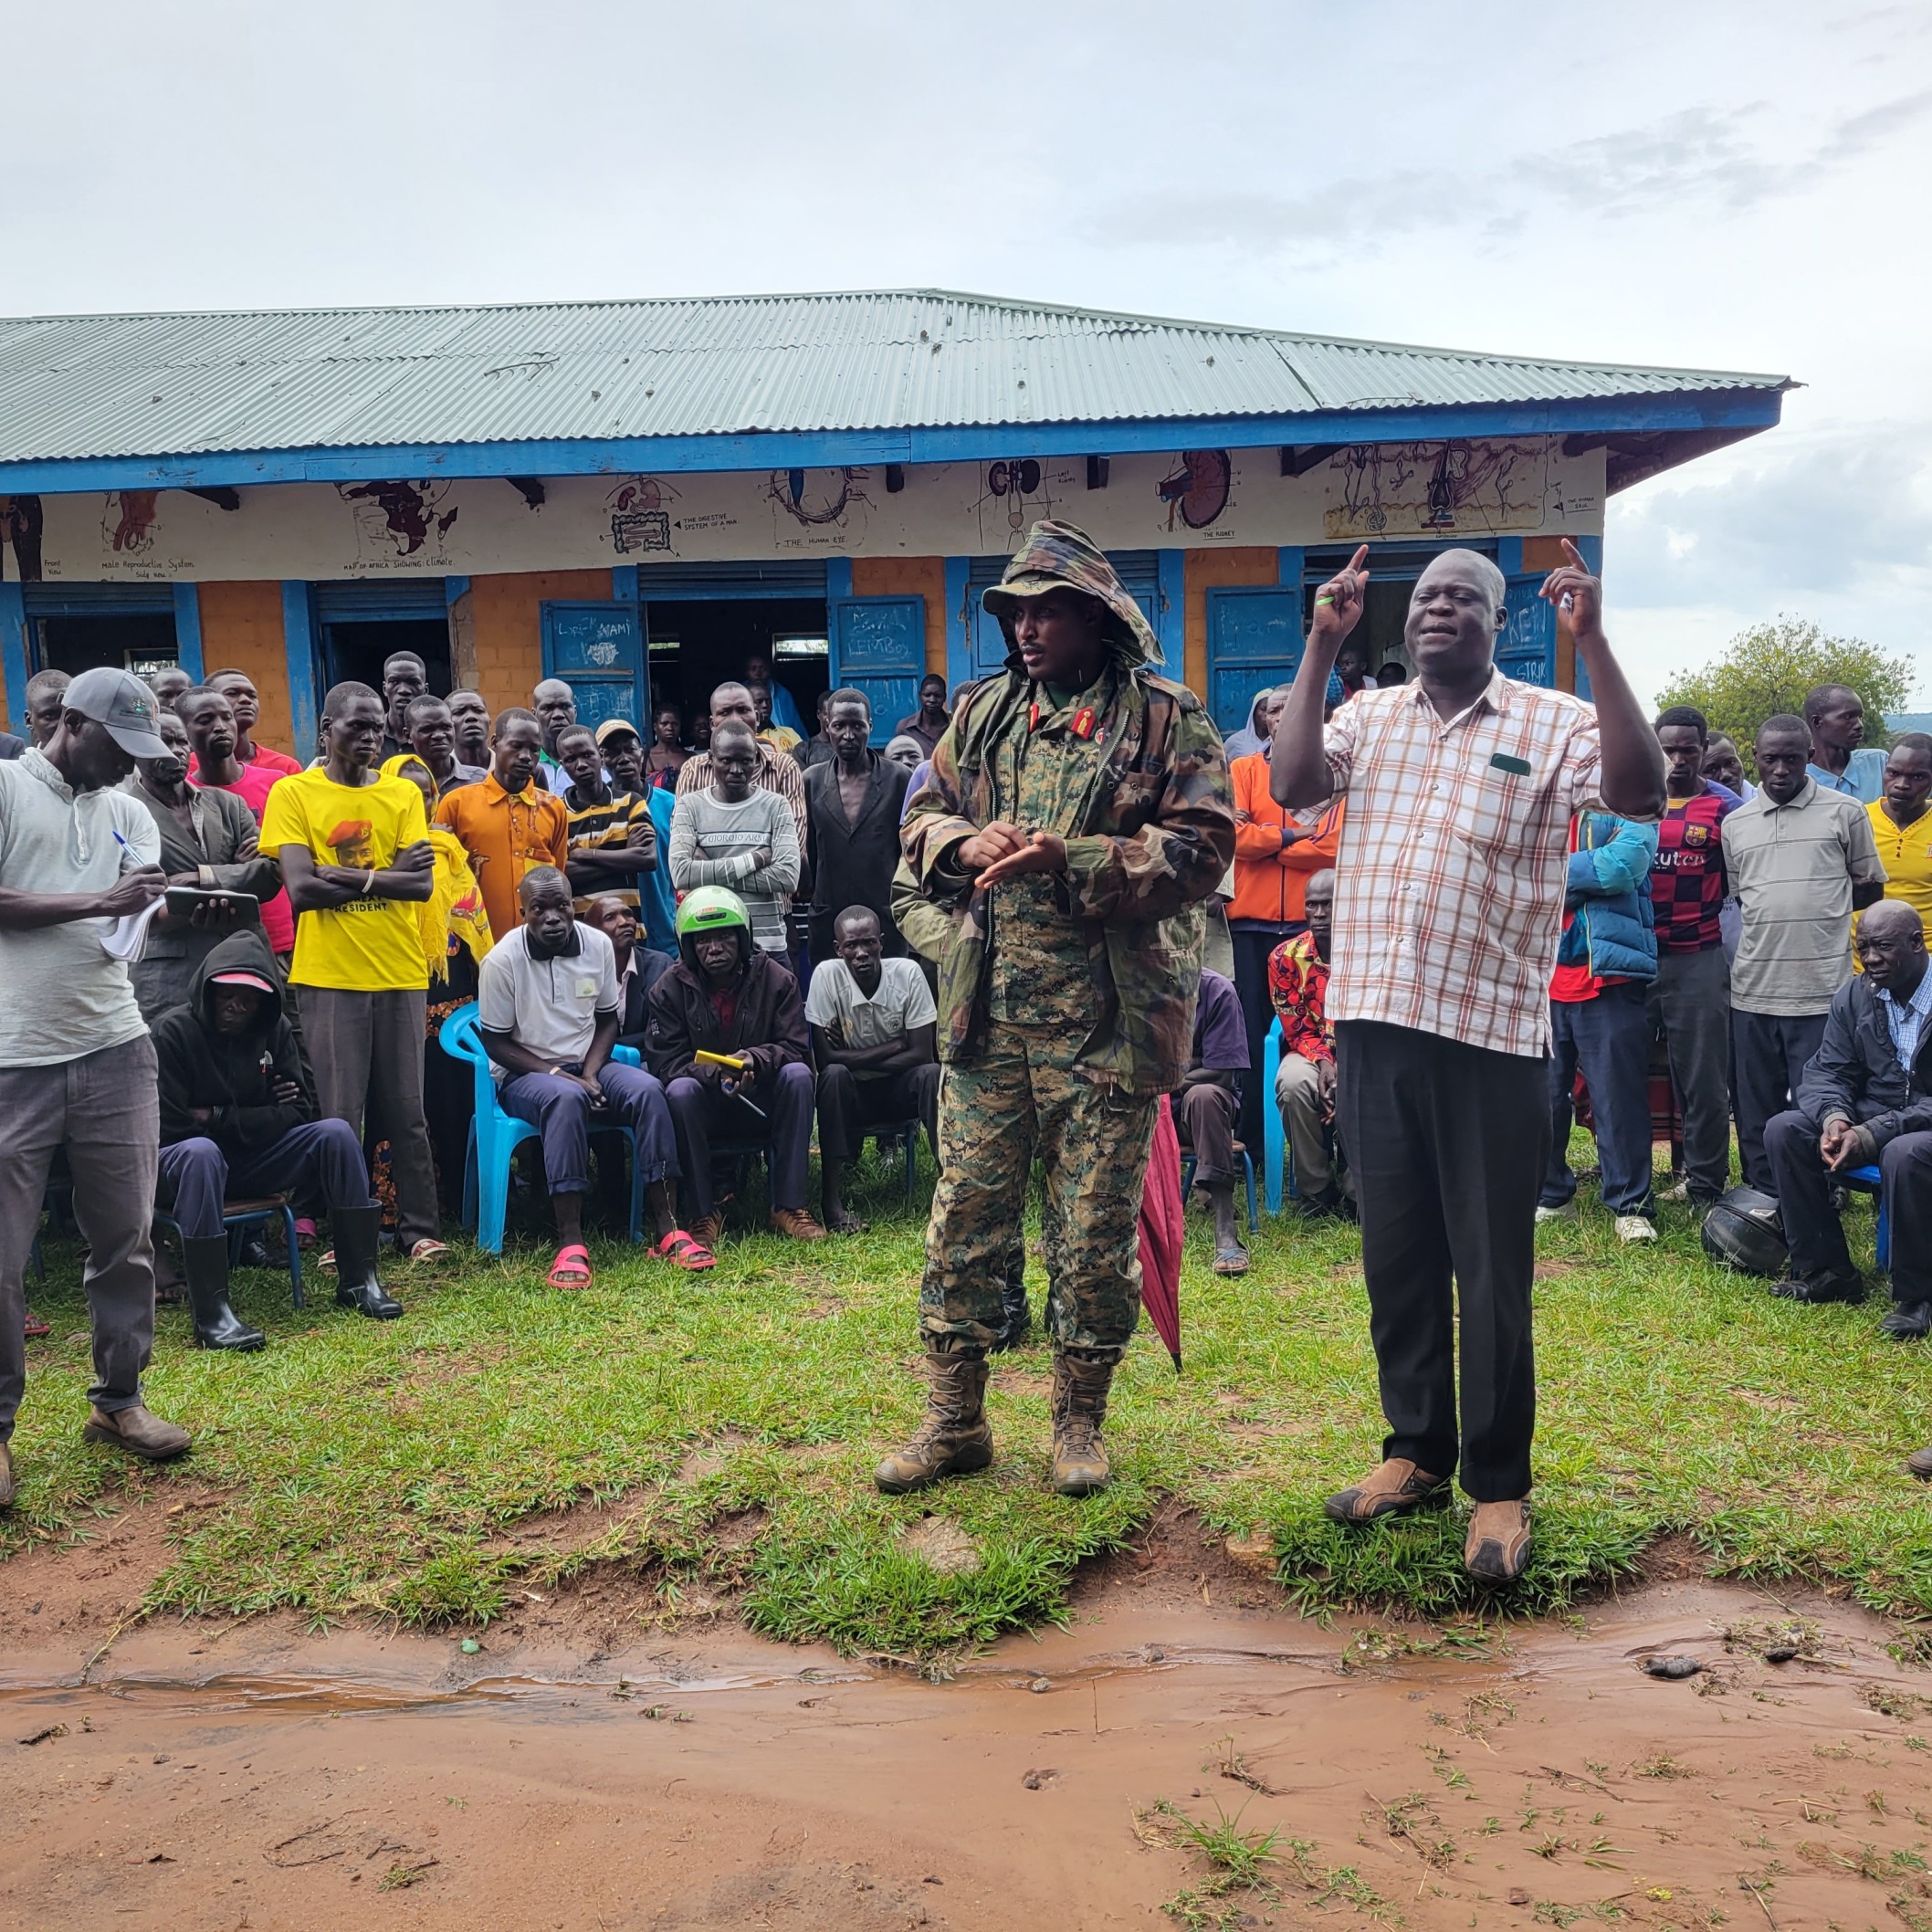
pixel 1769 667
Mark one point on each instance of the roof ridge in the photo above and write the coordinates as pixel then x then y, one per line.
pixel 1009 304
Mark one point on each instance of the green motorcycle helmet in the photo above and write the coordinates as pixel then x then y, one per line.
pixel 711 908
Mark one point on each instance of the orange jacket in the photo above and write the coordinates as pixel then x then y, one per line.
pixel 1271 880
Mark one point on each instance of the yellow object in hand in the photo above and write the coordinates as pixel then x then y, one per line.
pixel 729 1061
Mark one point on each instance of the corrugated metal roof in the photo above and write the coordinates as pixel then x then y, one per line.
pixel 123 385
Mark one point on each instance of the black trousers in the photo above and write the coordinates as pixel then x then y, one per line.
pixel 849 1108
pixel 1448 1144
pixel 1816 1235
pixel 1770 1051
pixel 1258 1014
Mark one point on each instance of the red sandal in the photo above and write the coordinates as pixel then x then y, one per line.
pixel 572 1268
pixel 686 1250
pixel 36 1327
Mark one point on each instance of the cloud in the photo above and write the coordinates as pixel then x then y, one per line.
pixel 1835 512
pixel 1698 156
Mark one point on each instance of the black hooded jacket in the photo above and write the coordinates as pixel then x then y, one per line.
pixel 200 1067
pixel 768 1028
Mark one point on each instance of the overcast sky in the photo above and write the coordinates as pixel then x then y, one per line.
pixel 1725 187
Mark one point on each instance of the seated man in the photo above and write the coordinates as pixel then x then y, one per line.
pixel 1305 1080
pixel 238 1118
pixel 874 1035
pixel 728 997
pixel 1864 1096
pixel 1207 1107
pixel 548 1008
pixel 639 967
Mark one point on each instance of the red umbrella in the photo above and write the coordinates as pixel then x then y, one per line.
pixel 1162 1231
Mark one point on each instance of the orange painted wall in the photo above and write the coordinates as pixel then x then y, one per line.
pixel 909 577
pixel 241 630
pixel 509 626
pixel 1211 569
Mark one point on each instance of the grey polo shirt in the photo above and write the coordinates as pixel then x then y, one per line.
pixel 1792 868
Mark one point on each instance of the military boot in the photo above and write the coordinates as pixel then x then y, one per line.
pixel 204 1259
pixel 955 1438
pixel 1081 1380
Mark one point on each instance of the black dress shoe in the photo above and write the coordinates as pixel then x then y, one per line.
pixel 1909 1321
pixel 1813 1289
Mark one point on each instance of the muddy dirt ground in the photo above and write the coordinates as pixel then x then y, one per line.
pixel 577 1772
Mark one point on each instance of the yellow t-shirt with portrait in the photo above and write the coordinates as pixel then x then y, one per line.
pixel 372 945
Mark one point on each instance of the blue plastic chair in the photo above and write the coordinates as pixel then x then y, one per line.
pixel 1278 1157
pixel 495 1136
pixel 1869 1181
pixel 238 1216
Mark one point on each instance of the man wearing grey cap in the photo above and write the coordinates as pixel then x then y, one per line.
pixel 76 1066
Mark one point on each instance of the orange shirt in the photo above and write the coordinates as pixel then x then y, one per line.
pixel 1271 880
pixel 507 834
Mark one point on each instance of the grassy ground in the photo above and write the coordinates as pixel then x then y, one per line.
pixel 382 1466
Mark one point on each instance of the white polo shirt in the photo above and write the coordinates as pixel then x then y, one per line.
pixel 549 1006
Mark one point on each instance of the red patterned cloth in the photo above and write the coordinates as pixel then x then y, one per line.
pixel 1298 985
pixel 1163 1231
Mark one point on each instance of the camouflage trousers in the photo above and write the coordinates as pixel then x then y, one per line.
pixel 1024 1094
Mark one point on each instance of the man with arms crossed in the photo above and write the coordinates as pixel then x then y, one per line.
pixel 1460 789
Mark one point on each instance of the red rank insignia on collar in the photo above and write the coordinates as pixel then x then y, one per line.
pixel 1032 716
pixel 1082 725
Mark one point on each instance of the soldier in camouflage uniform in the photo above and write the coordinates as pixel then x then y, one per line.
pixel 1077 815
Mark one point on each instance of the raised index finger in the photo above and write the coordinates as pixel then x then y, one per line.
pixel 1573 553
pixel 1356 562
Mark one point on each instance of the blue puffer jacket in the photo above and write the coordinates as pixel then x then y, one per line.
pixel 1608 890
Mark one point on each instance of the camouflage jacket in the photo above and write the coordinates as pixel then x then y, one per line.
pixel 1152 836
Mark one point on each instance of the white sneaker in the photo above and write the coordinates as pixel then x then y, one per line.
pixel 1567 1211
pixel 1681 1191
pixel 1635 1228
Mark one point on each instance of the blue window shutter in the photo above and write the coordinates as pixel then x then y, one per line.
pixel 598 650
pixel 1254 642
pixel 1527 649
pixel 878 647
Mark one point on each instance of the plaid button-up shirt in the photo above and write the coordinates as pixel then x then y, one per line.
pixel 1449 882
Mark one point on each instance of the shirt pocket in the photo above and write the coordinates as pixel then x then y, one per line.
pixel 1500 812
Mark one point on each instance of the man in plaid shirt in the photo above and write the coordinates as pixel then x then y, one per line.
pixel 1460 790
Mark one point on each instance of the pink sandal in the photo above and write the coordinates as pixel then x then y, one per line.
pixel 686 1250
pixel 572 1268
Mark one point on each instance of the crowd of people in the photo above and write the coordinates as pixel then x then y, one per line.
pixel 1466 909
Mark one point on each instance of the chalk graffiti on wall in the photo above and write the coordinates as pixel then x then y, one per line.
pixel 1378 490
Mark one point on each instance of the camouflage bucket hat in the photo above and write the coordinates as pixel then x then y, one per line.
pixel 1059 556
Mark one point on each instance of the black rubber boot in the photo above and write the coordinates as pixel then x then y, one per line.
pixel 1018 1324
pixel 356 1231
pixel 204 1262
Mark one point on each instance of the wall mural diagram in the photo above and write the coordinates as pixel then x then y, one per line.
pixel 127 522
pixel 1434 488
pixel 818 502
pixel 640 516
pixel 398 519
pixel 1198 490
pixel 478 526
